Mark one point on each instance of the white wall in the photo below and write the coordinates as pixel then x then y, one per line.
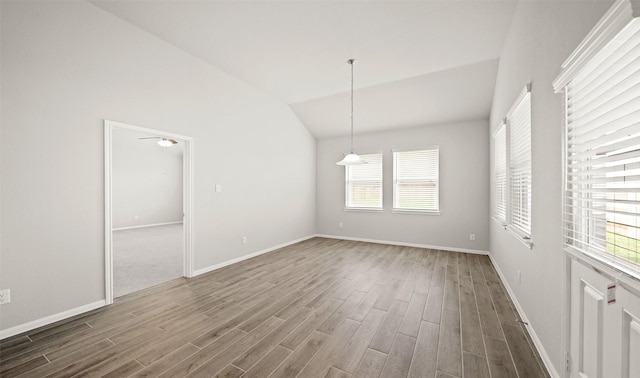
pixel 147 181
pixel 542 36
pixel 464 188
pixel 66 66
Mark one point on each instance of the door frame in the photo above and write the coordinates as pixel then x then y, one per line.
pixel 187 197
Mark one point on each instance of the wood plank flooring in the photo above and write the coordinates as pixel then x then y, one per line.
pixel 319 308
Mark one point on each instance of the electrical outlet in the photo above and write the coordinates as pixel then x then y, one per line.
pixel 244 240
pixel 5 296
pixel 472 236
pixel 340 225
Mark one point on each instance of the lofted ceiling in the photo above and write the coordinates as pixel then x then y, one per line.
pixel 419 62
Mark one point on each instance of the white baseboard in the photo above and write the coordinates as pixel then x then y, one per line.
pixel 49 319
pixel 246 257
pixel 534 337
pixel 92 306
pixel 146 225
pixel 451 249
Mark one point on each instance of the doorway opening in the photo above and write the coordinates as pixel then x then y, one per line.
pixel 148 207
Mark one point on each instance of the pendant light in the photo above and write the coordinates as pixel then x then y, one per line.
pixel 352 158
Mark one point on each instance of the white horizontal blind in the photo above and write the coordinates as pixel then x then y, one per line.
pixel 415 180
pixel 500 169
pixel 364 183
pixel 519 121
pixel 602 200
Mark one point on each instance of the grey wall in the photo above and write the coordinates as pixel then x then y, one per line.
pixel 464 188
pixel 542 36
pixel 66 66
pixel 147 181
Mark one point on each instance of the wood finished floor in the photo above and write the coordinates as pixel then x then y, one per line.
pixel 320 308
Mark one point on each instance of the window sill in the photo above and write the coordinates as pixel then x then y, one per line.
pixel 521 236
pixel 364 209
pixel 418 212
pixel 500 222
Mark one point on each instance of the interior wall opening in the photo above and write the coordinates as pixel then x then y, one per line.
pixel 147 213
pixel 148 181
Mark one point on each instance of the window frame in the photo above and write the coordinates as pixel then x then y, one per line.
pixel 580 231
pixel 347 182
pixel 437 210
pixel 522 229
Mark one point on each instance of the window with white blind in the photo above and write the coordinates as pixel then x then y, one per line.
pixel 363 183
pixel 500 171
pixel 602 177
pixel 416 180
pixel 519 123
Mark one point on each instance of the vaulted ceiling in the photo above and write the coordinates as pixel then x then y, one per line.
pixel 419 62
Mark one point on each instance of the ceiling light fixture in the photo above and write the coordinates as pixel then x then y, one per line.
pixel 164 142
pixel 352 158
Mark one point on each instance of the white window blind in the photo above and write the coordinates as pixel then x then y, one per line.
pixel 519 121
pixel 602 200
pixel 364 183
pixel 500 169
pixel 415 180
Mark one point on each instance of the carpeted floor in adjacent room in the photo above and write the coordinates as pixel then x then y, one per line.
pixel 145 257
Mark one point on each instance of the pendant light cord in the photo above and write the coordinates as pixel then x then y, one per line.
pixel 352 62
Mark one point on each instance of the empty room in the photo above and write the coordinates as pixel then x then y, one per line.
pixel 320 188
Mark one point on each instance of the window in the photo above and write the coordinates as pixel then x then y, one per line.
pixel 416 180
pixel 519 121
pixel 602 177
pixel 364 183
pixel 500 169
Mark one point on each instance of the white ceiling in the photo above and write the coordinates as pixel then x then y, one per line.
pixel 419 62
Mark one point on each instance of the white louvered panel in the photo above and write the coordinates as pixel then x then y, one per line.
pixel 363 183
pixel 602 201
pixel 416 179
pixel 519 121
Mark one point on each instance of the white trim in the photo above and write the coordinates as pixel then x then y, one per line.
pixel 187 193
pixel 188 170
pixel 503 123
pixel 526 91
pixel 246 257
pixel 534 337
pixel 365 209
pixel 419 148
pixel 108 216
pixel 394 179
pixel 566 290
pixel 621 13
pixel 500 222
pixel 450 249
pixel 95 305
pixel 146 225
pixel 417 212
pixel 512 226
pixel 520 236
pixel 49 319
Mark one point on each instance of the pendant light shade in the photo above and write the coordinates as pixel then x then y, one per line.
pixel 352 158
